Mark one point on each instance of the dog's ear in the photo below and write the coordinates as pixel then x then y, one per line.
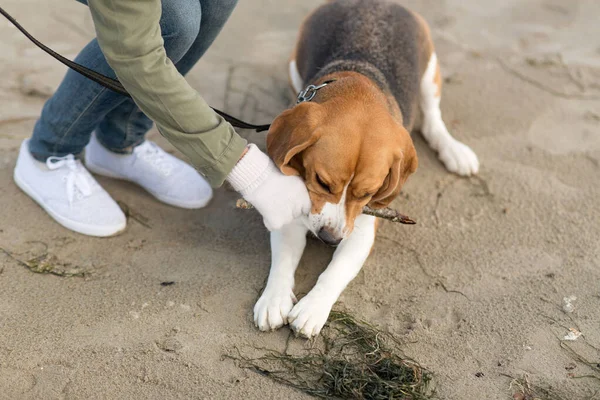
pixel 292 132
pixel 401 169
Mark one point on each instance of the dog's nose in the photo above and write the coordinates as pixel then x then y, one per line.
pixel 328 237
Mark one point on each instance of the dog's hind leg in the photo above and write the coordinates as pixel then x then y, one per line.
pixel 456 156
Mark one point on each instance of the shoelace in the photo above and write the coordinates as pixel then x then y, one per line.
pixel 77 177
pixel 149 151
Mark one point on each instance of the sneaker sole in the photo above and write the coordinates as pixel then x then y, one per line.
pixel 78 227
pixel 165 199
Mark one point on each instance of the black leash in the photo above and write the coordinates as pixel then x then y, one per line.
pixel 114 84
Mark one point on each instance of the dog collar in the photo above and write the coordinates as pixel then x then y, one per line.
pixel 310 91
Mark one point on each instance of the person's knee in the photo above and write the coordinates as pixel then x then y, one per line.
pixel 180 24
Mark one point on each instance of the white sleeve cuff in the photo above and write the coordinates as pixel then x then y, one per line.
pixel 251 171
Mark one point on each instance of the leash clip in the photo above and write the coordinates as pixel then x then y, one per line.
pixel 310 92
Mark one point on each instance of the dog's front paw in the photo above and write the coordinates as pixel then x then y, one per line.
pixel 459 158
pixel 272 309
pixel 309 315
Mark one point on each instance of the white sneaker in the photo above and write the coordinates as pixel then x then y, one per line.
pixel 167 178
pixel 68 192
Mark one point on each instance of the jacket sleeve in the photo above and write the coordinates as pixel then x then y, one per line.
pixel 129 35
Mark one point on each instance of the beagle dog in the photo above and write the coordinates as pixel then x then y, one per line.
pixel 370 66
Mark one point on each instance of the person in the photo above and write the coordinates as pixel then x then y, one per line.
pixel 148 45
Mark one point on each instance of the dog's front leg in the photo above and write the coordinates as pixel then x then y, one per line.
pixel 287 245
pixel 310 314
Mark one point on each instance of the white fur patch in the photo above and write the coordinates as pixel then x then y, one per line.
pixel 456 156
pixel 333 216
pixel 295 78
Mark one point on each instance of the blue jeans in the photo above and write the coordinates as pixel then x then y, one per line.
pixel 81 106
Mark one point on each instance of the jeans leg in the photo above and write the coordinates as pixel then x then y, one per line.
pixel 80 105
pixel 215 14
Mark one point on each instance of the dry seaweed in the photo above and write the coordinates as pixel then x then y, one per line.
pixel 356 361
pixel 48 264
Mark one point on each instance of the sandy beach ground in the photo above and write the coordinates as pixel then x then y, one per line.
pixel 476 287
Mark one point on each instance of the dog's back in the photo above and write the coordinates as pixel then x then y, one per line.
pixel 379 39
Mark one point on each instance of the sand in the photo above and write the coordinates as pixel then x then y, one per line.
pixel 477 286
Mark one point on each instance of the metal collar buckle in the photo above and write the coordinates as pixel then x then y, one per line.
pixel 309 92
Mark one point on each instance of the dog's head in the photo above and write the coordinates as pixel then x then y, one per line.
pixel 349 155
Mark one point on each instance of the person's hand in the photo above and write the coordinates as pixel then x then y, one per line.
pixel 278 198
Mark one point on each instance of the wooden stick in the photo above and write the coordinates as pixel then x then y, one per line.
pixel 384 213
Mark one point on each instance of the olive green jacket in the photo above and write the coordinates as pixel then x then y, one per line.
pixel 129 35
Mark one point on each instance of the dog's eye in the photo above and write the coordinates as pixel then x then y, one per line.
pixel 323 184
